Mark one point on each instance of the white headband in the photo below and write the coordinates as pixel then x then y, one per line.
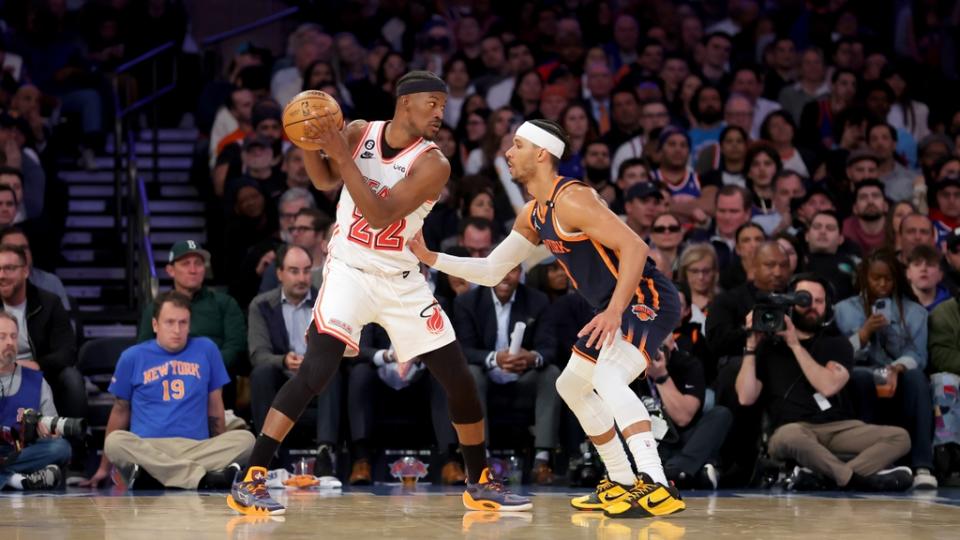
pixel 542 138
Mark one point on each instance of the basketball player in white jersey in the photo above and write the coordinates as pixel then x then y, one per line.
pixel 393 175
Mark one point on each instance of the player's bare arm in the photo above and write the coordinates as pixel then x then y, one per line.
pixel 581 209
pixel 489 270
pixel 323 172
pixel 119 419
pixel 424 182
pixel 216 416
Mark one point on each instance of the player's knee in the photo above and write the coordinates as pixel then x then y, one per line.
pixel 572 386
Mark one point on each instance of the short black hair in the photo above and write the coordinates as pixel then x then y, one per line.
pixel 170 297
pixel 828 213
pixel 7 231
pixel 286 248
pixel 719 34
pixel 557 131
pixel 924 252
pixel 632 162
pixel 882 123
pixel 479 223
pixel 865 183
pixel 750 225
pixel 843 71
pixel 783 115
pixel 11 171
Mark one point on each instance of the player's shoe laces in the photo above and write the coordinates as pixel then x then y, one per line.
pixel 251 496
pixel 607 493
pixel 646 499
pixel 490 495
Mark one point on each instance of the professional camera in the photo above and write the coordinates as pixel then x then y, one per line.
pixel 771 310
pixel 57 425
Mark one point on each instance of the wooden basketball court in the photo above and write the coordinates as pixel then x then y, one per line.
pixel 386 512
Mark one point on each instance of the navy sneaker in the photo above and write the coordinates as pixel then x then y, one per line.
pixel 251 497
pixel 490 495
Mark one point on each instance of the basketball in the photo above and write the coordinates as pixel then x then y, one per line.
pixel 304 106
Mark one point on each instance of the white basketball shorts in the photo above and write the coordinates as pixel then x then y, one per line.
pixel 401 303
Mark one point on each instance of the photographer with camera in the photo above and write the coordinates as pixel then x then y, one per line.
pixel 769 271
pixel 798 369
pixel 168 418
pixel 30 455
pixel 888 332
pixel 46 341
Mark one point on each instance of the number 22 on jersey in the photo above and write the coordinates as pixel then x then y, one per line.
pixel 387 239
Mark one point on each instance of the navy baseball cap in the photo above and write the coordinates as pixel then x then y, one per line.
pixel 643 190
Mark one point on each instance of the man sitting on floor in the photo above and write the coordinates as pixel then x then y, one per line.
pixel 169 398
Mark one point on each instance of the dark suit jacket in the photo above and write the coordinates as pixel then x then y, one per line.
pixel 268 340
pixel 475 321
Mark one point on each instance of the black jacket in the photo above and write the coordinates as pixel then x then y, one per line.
pixel 52 340
pixel 475 321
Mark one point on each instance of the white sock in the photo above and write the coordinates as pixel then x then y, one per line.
pixel 16 481
pixel 542 455
pixel 644 449
pixel 616 461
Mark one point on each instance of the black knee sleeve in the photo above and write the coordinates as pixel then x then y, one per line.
pixel 449 368
pixel 320 364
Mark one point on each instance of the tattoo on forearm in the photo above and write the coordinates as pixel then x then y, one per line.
pixel 216 425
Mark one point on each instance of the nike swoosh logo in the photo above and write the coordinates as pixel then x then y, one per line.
pixel 604 498
pixel 653 504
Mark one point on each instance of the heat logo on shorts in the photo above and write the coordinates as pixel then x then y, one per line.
pixel 644 312
pixel 434 316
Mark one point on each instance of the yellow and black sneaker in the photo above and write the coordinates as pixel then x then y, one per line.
pixel 647 499
pixel 607 493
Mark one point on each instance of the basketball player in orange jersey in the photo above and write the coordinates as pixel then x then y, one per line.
pixel 393 175
pixel 637 308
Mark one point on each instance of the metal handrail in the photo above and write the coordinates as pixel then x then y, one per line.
pixel 217 38
pixel 140 256
pixel 152 53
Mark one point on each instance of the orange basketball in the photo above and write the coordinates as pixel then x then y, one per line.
pixel 304 106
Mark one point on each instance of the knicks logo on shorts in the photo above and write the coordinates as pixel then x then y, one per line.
pixel 434 316
pixel 644 312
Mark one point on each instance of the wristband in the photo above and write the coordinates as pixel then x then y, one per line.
pixel 662 379
pixel 749 352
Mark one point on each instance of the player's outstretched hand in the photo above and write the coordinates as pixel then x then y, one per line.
pixel 322 130
pixel 602 329
pixel 420 250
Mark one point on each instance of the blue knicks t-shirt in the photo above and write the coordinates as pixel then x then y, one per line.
pixel 168 391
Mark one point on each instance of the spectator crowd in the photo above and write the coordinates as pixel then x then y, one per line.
pixel 759 148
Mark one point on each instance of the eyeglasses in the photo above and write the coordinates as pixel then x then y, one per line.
pixel 288 216
pixel 10 268
pixel 660 229
pixel 298 230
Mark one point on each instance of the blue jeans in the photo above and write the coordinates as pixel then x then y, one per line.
pixel 35 457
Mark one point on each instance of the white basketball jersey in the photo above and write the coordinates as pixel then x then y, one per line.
pixel 354 241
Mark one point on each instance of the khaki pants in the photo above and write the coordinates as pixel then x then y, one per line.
pixel 815 446
pixel 177 462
